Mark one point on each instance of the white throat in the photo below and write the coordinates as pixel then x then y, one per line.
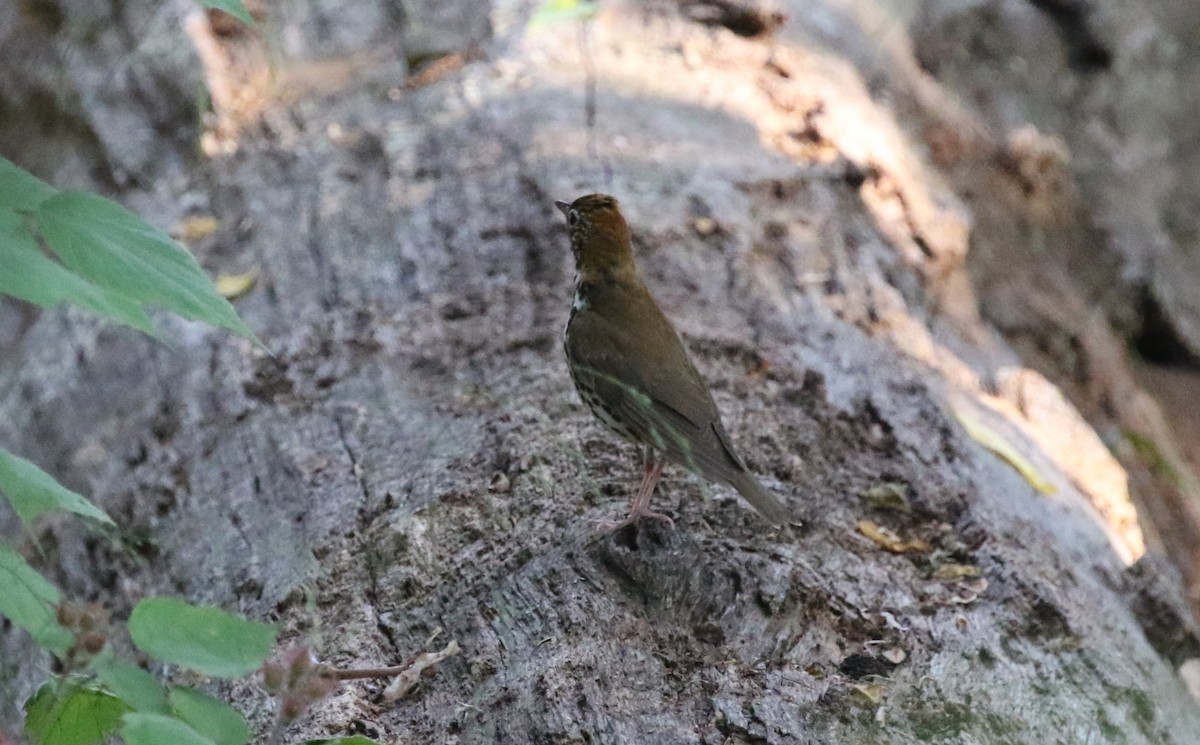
pixel 580 302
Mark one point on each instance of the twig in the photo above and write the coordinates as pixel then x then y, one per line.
pixel 407 680
pixel 406 675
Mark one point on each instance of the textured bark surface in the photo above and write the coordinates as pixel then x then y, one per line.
pixel 413 462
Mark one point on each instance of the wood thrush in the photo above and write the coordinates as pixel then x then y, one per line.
pixel 632 370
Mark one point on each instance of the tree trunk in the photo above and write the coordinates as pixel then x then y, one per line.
pixel 412 461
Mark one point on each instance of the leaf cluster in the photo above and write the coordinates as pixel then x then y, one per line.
pixel 73 247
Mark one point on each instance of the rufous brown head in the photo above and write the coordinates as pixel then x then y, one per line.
pixel 599 236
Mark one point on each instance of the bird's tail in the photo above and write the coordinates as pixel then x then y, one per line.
pixel 767 504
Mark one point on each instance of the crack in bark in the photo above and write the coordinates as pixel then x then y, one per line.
pixel 330 297
pixel 366 544
pixel 355 468
pixel 236 519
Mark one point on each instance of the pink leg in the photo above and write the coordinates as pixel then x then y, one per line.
pixel 640 507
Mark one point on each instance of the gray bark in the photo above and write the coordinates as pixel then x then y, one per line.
pixel 412 460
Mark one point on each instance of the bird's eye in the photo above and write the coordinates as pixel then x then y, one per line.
pixel 573 218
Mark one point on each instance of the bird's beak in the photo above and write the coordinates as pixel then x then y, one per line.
pixel 563 207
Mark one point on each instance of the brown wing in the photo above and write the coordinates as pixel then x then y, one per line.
pixel 646 379
pixel 648 382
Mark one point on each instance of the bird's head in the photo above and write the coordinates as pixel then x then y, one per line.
pixel 599 236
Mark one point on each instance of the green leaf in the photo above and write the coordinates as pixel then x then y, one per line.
pixel 28 600
pixel 71 715
pixel 202 638
pixel 156 729
pixel 557 11
pixel 355 740
pixel 33 492
pixel 133 685
pixel 21 190
pixel 116 250
pixel 213 718
pixel 31 275
pixel 234 8
pixel 115 263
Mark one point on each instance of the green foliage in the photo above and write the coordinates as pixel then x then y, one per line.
pixel 208 718
pixel 114 249
pixel 71 714
pixel 156 729
pixel 234 8
pixel 63 246
pixel 558 11
pixel 33 492
pixel 202 638
pixel 21 190
pixel 133 685
pixel 28 600
pixel 214 719
pixel 112 262
pixel 33 276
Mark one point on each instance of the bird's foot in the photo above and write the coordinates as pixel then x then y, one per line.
pixel 635 516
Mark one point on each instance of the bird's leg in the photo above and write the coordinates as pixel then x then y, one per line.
pixel 653 465
pixel 640 507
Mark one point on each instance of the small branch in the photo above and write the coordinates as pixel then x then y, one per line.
pixel 406 675
pixel 364 674
pixel 407 680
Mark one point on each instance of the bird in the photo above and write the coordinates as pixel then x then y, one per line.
pixel 632 371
